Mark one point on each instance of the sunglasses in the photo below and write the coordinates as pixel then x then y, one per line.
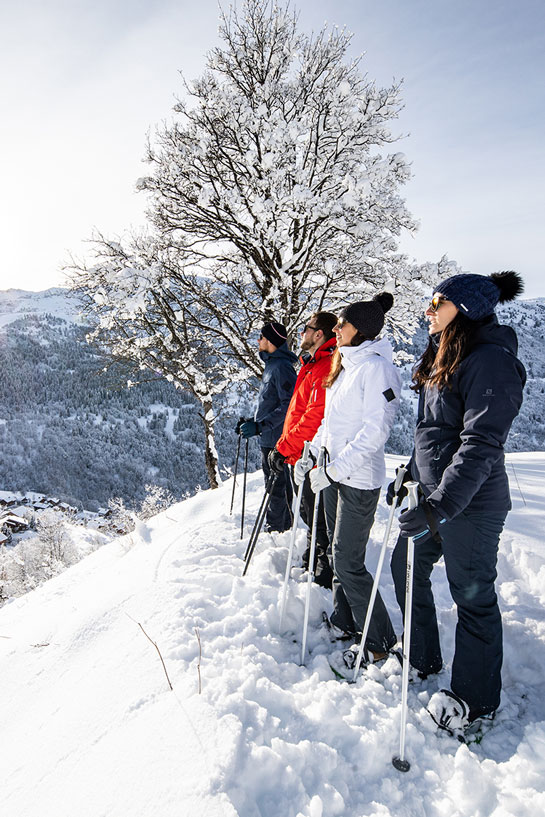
pixel 306 326
pixel 436 302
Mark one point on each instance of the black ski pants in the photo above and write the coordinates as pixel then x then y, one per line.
pixel 279 516
pixel 469 545
pixel 323 574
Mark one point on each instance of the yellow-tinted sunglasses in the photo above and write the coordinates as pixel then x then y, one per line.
pixel 436 302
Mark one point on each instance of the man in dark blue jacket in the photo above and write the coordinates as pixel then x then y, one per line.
pixel 273 400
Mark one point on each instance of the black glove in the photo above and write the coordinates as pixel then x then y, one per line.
pixel 401 491
pixel 238 425
pixel 249 428
pixel 276 461
pixel 420 522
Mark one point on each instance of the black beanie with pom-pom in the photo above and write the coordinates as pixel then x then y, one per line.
pixel 368 316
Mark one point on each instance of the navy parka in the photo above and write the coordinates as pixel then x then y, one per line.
pixel 458 457
pixel 275 391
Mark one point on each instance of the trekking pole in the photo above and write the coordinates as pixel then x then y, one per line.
pixel 399 761
pixel 259 521
pixel 401 471
pixel 304 459
pixel 235 476
pixel 244 488
pixel 310 577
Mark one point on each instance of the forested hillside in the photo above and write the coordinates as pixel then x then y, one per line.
pixel 70 426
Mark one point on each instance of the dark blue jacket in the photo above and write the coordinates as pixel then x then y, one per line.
pixel 275 393
pixel 458 457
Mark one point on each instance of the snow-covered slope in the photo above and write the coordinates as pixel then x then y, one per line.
pixel 91 728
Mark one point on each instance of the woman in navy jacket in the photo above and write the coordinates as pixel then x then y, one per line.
pixel 470 386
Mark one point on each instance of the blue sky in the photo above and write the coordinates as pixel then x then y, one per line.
pixel 83 82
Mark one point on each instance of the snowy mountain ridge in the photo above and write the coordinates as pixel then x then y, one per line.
pixel 56 301
pixel 91 726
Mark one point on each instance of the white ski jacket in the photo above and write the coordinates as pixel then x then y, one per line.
pixel 360 409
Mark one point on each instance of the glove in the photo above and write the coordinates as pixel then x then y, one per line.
pixel 238 425
pixel 319 479
pixel 249 428
pixel 416 522
pixel 401 492
pixel 276 461
pixel 301 468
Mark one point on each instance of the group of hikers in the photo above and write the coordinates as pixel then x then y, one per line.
pixel 344 401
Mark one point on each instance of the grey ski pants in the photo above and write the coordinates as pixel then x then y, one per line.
pixel 349 518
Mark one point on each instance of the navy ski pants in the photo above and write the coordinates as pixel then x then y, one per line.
pixel 469 544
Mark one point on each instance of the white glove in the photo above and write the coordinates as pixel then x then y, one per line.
pixel 319 479
pixel 301 468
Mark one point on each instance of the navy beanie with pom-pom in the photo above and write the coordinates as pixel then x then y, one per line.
pixel 476 296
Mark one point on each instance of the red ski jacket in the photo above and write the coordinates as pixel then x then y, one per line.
pixel 307 404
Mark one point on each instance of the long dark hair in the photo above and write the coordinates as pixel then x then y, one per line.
pixel 336 360
pixel 438 363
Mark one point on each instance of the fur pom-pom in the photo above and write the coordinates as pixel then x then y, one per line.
pixel 509 283
pixel 385 299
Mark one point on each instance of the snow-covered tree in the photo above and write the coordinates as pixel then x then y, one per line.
pixel 272 194
pixel 56 545
pixel 141 315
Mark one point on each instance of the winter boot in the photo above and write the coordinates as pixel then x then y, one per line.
pixel 350 656
pixel 449 712
pixel 335 633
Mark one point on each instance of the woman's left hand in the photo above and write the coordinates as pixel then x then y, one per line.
pixel 416 522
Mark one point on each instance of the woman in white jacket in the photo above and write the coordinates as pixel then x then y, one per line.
pixel 362 397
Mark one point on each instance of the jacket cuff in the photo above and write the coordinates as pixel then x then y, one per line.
pixel 331 473
pixel 443 507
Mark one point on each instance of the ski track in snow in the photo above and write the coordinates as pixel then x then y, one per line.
pixel 91 728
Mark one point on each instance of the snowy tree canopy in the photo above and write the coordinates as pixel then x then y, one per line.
pixel 274 185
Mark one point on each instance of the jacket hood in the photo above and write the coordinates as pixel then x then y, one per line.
pixel 354 355
pixel 281 353
pixel 491 331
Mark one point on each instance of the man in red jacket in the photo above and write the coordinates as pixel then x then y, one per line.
pixel 303 417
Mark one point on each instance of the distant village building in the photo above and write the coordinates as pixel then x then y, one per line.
pixel 12 523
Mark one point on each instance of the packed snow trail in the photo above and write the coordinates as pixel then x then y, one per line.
pixel 91 728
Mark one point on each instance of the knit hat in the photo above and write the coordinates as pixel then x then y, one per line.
pixel 476 296
pixel 368 316
pixel 275 332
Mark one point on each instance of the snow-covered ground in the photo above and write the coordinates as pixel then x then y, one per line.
pixel 90 727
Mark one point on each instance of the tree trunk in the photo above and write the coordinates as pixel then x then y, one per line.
pixel 210 452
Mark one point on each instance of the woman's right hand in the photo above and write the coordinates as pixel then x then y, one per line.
pixel 301 468
pixel 397 487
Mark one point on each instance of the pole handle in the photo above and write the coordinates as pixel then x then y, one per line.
pixel 412 488
pixel 400 476
pixel 306 452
